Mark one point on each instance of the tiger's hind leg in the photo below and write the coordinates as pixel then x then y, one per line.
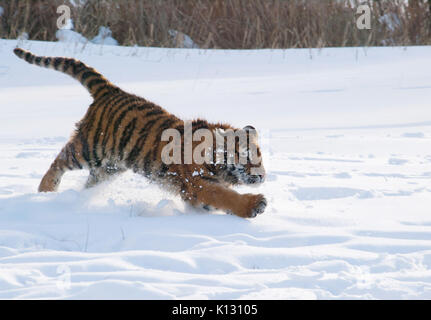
pixel 68 159
pixel 101 174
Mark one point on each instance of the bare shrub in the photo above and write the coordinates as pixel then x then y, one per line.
pixel 239 24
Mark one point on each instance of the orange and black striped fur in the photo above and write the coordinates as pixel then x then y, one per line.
pixel 122 131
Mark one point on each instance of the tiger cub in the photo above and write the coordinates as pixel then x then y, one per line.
pixel 123 131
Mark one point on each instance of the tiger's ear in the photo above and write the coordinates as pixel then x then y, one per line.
pixel 250 130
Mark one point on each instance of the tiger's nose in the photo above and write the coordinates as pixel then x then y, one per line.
pixel 256 179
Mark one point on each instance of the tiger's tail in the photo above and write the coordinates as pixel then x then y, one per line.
pixel 89 77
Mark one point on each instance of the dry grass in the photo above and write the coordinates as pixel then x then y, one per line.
pixel 241 24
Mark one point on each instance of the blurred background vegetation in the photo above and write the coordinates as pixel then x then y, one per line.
pixel 228 24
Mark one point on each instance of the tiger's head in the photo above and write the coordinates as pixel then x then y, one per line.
pixel 242 158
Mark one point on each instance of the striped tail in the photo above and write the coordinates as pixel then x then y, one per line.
pixel 89 77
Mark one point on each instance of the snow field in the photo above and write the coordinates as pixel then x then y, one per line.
pixel 346 134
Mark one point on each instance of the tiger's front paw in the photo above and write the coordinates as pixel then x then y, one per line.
pixel 257 206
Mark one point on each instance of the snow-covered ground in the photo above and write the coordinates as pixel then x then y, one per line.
pixel 347 140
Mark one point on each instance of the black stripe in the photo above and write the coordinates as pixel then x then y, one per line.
pixel 156 111
pixel 165 125
pixel 47 61
pixel 91 119
pixel 111 89
pixel 67 64
pixel 147 164
pixel 91 115
pixel 57 62
pixel 19 52
pixel 95 82
pixel 87 74
pixel 134 101
pixel 120 119
pixel 152 153
pixel 74 160
pixel 117 108
pixel 100 102
pixel 127 134
pixel 85 148
pixel 162 171
pixel 113 111
pixel 199 124
pixel 137 148
pixel 38 60
pixel 27 57
pixel 122 115
pixel 180 128
pixel 125 112
pixel 78 66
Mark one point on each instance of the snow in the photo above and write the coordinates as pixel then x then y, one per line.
pixel 346 135
pixel 68 25
pixel 105 37
pixel 181 40
pixel 23 36
pixel 68 35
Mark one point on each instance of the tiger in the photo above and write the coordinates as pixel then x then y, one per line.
pixel 122 131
